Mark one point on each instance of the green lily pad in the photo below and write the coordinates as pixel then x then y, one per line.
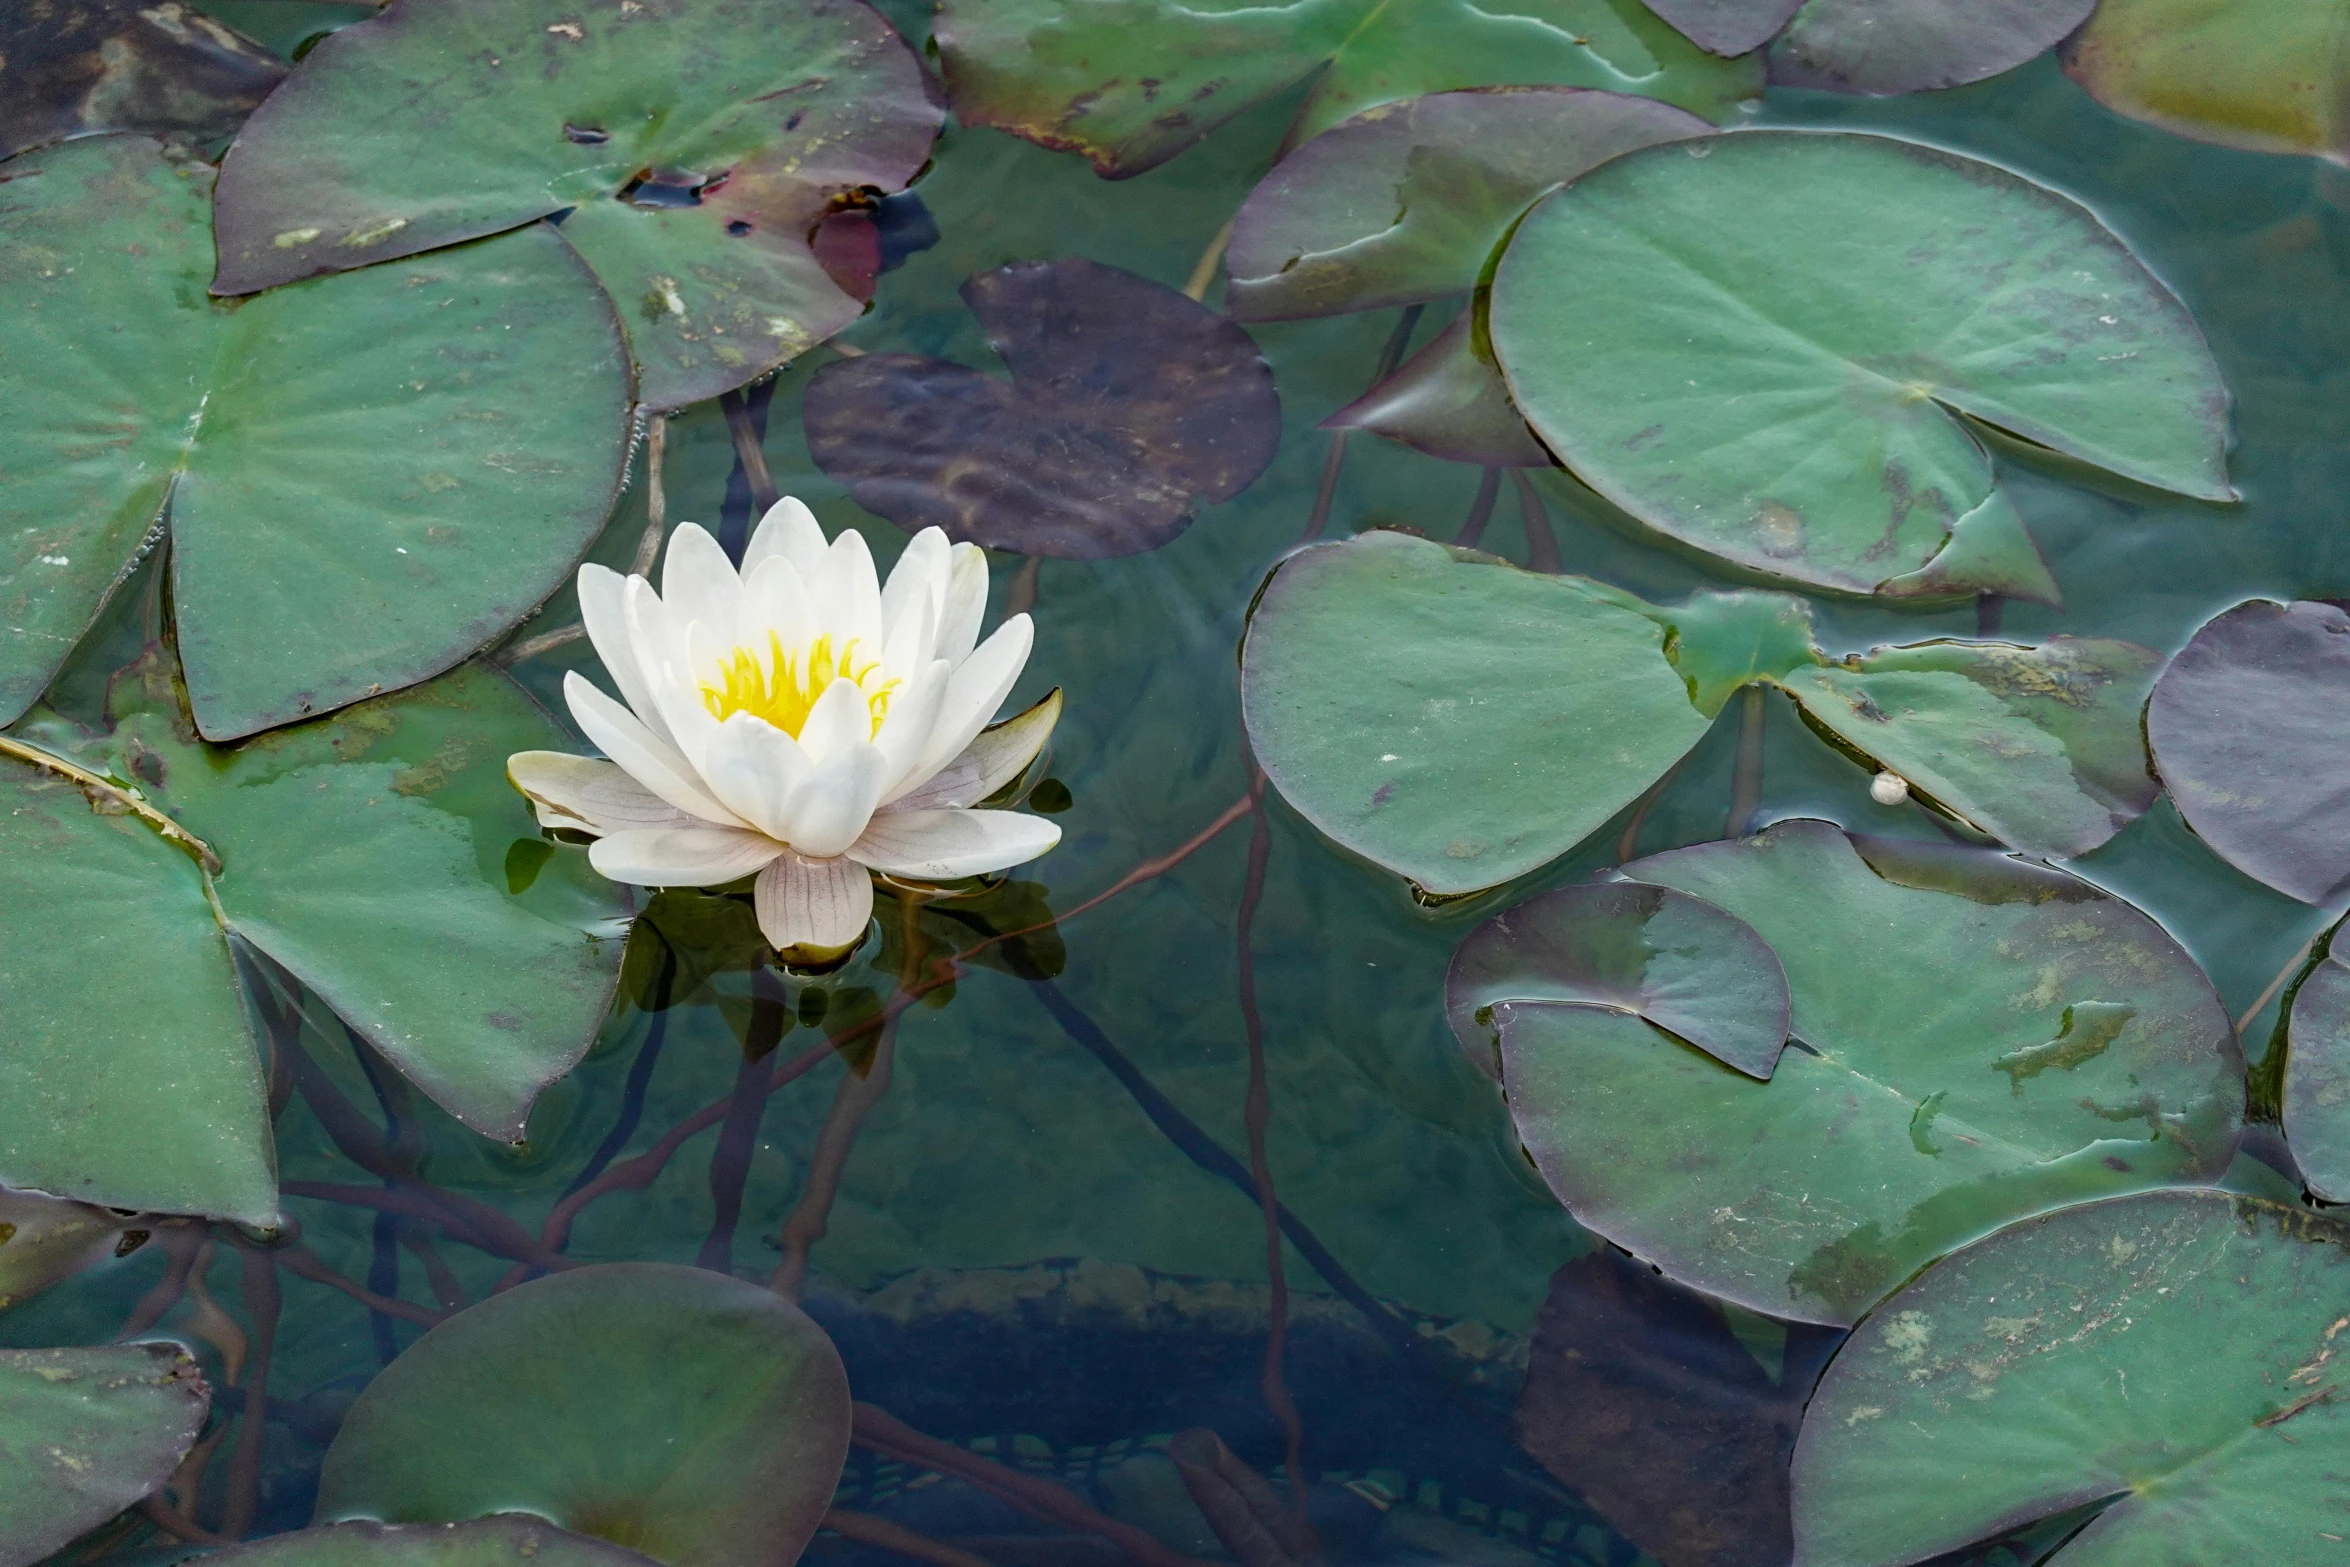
pixel 696 1418
pixel 1131 83
pixel 1649 952
pixel 367 478
pixel 364 853
pixel 2246 726
pixel 1449 716
pixel 2316 1098
pixel 502 1540
pixel 1447 400
pixel 1762 345
pixel 2273 77
pixel 695 146
pixel 80 67
pixel 2174 1354
pixel 1406 202
pixel 1981 1038
pixel 1944 715
pixel 85 1433
pixel 1876 47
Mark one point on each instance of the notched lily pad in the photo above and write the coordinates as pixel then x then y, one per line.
pixel 1980 1039
pixel 81 67
pixel 2316 1097
pixel 1763 344
pixel 697 1418
pixel 2247 726
pixel 1405 202
pixel 1447 400
pixel 2267 78
pixel 1677 961
pixel 364 853
pixel 1131 83
pixel 367 478
pixel 85 1433
pixel 1727 27
pixel 697 147
pixel 46 1240
pixel 2174 1355
pixel 1128 406
pixel 502 1540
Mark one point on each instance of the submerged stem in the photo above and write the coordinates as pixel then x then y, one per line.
pixel 195 848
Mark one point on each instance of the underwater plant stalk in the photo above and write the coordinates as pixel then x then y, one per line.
pixel 866 1529
pixel 1480 510
pixel 258 1288
pixel 730 1161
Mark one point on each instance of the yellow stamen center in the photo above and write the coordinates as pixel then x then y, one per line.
pixel 783 686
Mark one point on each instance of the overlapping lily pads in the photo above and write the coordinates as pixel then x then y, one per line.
pixel 1460 721
pixel 85 1433
pixel 2246 726
pixel 1131 83
pixel 2175 1355
pixel 2268 78
pixel 1650 952
pixel 693 1417
pixel 366 478
pixel 80 67
pixel 363 853
pixel 1128 406
pixel 1868 46
pixel 1982 1039
pixel 1763 344
pixel 504 1540
pixel 692 148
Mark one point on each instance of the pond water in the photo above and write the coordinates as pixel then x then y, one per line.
pixel 1046 1245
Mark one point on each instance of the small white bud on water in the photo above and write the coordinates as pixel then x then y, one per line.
pixel 1888 788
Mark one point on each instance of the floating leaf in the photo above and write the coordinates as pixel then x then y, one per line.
pixel 1460 721
pixel 2316 1098
pixel 1405 202
pixel 1982 1038
pixel 364 853
pixel 1762 344
pixel 1727 27
pixel 367 478
pixel 503 1540
pixel 1944 715
pixel 1449 716
pixel 1447 400
pixel 1899 46
pixel 1649 952
pixel 2173 1354
pixel 1644 1403
pixel 2268 77
pixel 45 1239
pixel 78 67
pixel 1131 83
pixel 692 147
pixel 85 1433
pixel 694 1417
pixel 2246 726
pixel 1128 405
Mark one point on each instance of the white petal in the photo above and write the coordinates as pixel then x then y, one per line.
pixel 904 736
pixel 920 574
pixel 980 684
pixel 698 582
pixel 600 593
pixel 775 606
pixel 790 532
pixel 752 767
pixel 842 717
pixel 588 795
pixel 682 856
pixel 651 761
pixel 664 652
pixel 987 763
pixel 941 845
pixel 907 648
pixel 966 604
pixel 830 807
pixel 847 596
pixel 813 903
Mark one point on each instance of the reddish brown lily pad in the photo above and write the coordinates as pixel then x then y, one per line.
pixel 79 67
pixel 1128 406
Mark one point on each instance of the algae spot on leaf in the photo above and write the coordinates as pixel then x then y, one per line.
pixel 1128 406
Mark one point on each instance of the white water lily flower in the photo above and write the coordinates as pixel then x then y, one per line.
pixel 797 719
